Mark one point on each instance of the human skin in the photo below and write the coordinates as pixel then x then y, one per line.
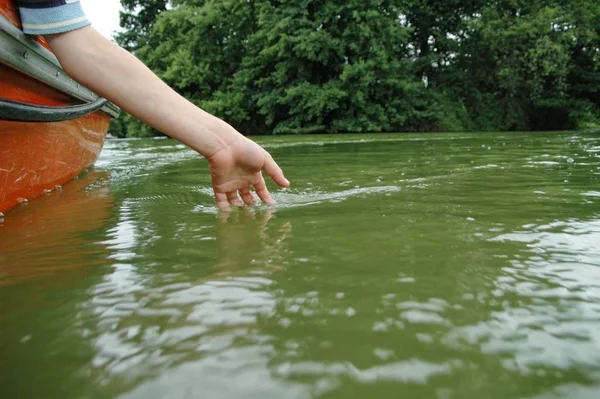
pixel 236 162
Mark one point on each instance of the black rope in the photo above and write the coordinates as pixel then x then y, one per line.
pixel 22 112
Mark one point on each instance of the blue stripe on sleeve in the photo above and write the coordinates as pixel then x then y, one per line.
pixel 52 20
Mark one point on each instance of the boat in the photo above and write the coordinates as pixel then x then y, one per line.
pixel 51 128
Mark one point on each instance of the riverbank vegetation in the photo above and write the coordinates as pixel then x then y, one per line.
pixel 322 66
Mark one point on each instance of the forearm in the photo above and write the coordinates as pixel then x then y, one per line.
pixel 115 74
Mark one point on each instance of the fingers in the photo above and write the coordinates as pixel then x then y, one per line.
pixel 233 199
pixel 222 202
pixel 263 193
pixel 225 200
pixel 274 172
pixel 247 196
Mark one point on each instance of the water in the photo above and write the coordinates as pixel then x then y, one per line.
pixel 426 266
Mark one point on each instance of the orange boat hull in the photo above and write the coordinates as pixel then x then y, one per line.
pixel 36 157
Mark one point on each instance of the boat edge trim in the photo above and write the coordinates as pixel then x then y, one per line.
pixel 22 53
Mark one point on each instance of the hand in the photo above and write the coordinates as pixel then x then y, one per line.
pixel 238 167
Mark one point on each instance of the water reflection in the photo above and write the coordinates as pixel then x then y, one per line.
pixel 185 325
pixel 544 307
pixel 47 238
pixel 446 267
pixel 552 298
pixel 46 264
pixel 246 238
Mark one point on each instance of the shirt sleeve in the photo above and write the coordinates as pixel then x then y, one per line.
pixel 47 17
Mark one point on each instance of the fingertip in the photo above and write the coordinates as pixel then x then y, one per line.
pixel 266 198
pixel 247 197
pixel 275 173
pixel 221 202
pixel 263 193
pixel 234 200
pixel 280 179
pixel 224 207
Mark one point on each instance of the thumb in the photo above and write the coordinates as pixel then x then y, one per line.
pixel 274 171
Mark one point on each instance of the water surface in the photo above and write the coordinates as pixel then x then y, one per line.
pixel 426 266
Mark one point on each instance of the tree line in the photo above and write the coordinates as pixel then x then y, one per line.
pixel 324 66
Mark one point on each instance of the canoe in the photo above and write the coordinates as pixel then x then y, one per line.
pixel 51 128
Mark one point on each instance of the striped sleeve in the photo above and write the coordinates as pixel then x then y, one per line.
pixel 47 17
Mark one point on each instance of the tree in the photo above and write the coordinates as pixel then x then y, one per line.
pixel 308 66
pixel 521 63
pixel 137 20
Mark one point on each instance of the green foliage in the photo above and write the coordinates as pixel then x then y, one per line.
pixel 312 66
pixel 137 21
pixel 525 59
pixel 128 126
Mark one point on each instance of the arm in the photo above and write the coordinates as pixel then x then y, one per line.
pixel 235 161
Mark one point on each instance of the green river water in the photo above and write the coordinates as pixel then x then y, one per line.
pixel 415 266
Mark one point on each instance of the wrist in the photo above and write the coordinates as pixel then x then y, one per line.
pixel 211 136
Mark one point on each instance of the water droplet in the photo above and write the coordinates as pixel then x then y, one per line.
pixel 25 339
pixel 47 191
pixel 350 312
pixel 22 201
pixel 1 216
pixel 570 160
pixel 58 187
pixel 339 295
pixel 470 219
